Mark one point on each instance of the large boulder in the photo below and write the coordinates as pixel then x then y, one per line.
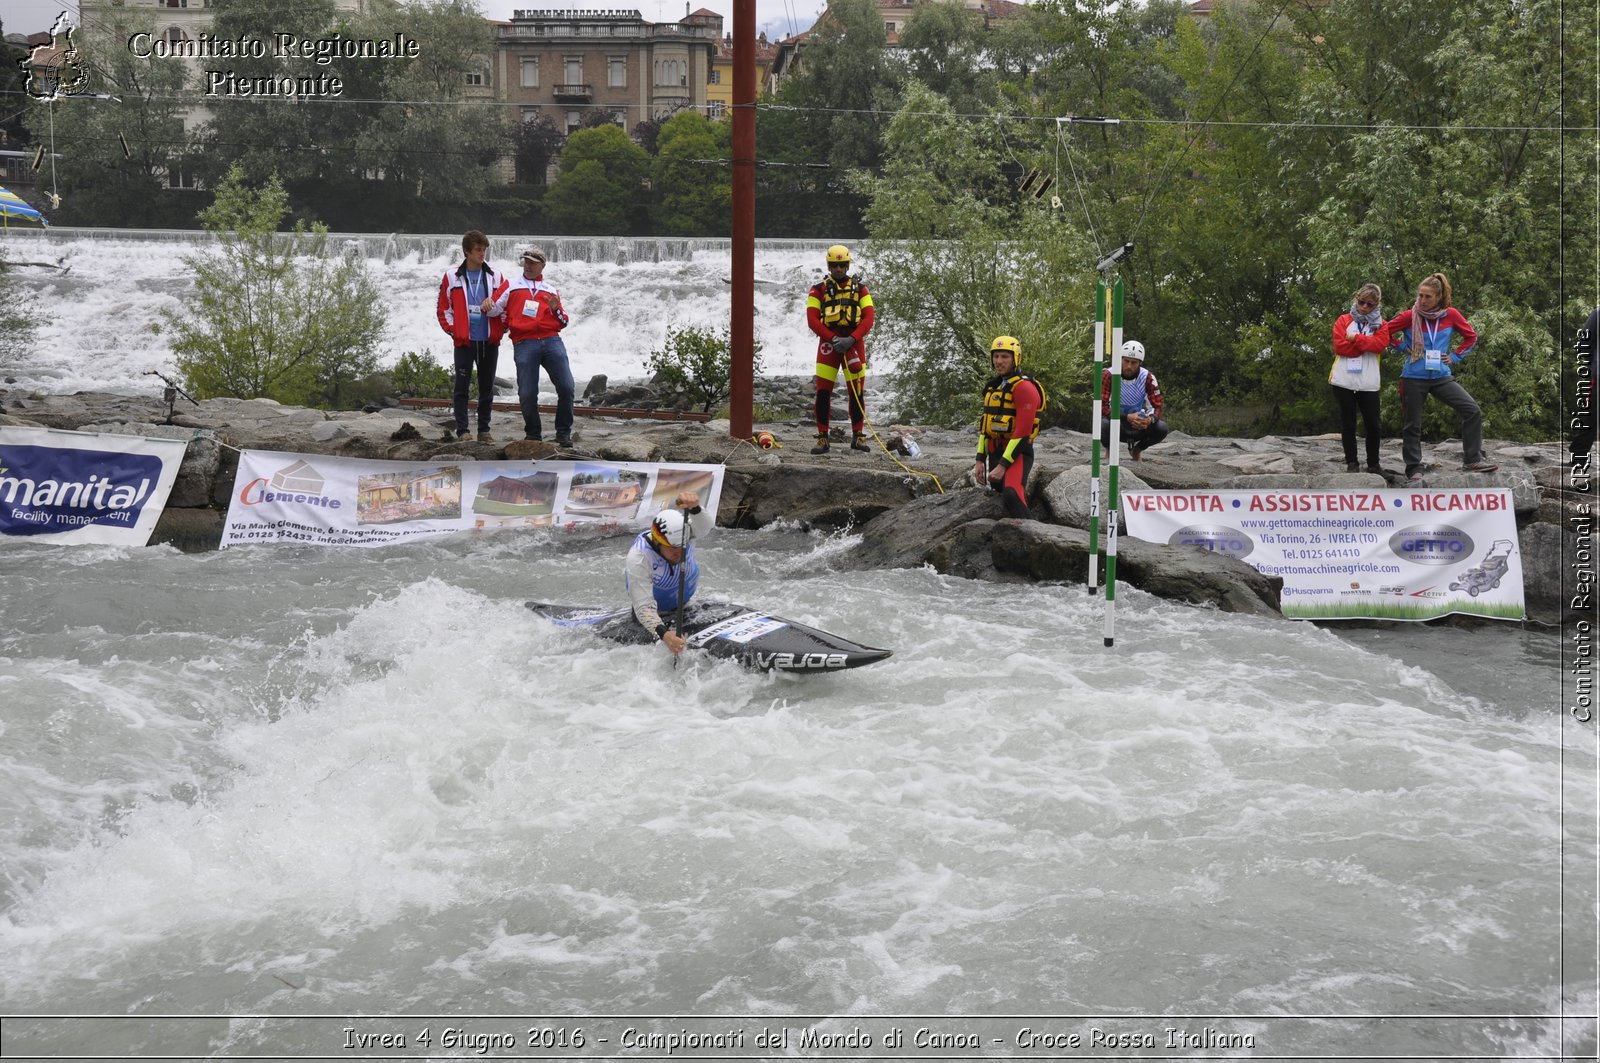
pixel 1177 573
pixel 202 458
pixel 1067 495
pixel 907 535
pixel 966 533
pixel 1557 587
pixel 823 497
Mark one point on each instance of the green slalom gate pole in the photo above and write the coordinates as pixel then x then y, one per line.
pixel 1102 318
pixel 1114 300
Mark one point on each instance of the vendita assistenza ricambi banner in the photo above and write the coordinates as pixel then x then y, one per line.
pixel 1394 555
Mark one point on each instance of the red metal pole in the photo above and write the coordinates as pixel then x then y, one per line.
pixel 742 328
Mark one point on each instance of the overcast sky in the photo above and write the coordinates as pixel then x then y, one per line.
pixel 780 18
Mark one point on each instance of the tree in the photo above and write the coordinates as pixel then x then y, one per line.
pixel 599 191
pixel 113 157
pixel 397 144
pixel 277 315
pixel 693 362
pixel 534 144
pixel 960 262
pixel 946 46
pixel 13 135
pixel 694 180
pixel 826 120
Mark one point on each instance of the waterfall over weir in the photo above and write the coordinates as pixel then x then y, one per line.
pixel 104 328
pixel 425 247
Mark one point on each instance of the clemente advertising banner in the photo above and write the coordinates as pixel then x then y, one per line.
pixel 1393 555
pixel 326 501
pixel 84 487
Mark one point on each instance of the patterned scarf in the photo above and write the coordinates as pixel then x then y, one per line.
pixel 1418 316
pixel 1369 320
pixel 1429 315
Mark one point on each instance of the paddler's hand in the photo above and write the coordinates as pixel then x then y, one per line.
pixel 674 641
pixel 979 474
pixel 688 500
pixel 998 473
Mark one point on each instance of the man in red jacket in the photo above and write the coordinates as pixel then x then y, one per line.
pixel 533 312
pixel 1007 426
pixel 466 303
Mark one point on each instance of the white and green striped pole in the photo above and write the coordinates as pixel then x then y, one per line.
pixel 1102 320
pixel 1114 302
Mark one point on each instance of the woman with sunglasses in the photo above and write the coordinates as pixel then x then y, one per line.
pixel 1359 337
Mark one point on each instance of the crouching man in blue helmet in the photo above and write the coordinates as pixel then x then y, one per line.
pixel 658 558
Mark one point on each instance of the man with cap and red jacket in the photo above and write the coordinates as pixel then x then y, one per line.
pixel 466 304
pixel 533 312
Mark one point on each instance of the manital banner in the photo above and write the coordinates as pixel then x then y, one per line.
pixel 327 501
pixel 1386 554
pixel 84 487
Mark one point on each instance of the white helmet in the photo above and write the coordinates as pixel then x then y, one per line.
pixel 1133 349
pixel 667 529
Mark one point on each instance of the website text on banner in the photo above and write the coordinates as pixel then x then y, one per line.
pixel 1393 555
pixel 84 487
pixel 326 501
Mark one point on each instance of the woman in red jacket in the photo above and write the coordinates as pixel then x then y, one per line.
pixel 1359 337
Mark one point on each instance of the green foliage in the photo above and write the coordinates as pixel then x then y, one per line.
pixel 97 182
pixel 692 180
pixel 1270 159
pixel 12 78
pixel 694 362
pixel 956 262
pixel 275 315
pixel 534 144
pixel 396 146
pixel 599 191
pixel 830 118
pixel 418 376
pixel 16 321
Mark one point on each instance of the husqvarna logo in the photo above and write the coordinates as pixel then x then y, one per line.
pixel 1218 539
pixel 298 483
pixel 1431 544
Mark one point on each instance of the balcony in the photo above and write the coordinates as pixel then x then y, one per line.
pixel 574 93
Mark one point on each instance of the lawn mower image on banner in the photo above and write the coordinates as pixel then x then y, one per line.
pixel 1485 575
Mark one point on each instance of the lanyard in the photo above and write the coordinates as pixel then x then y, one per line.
pixel 1430 332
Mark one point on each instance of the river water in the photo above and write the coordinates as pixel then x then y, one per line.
pixel 283 803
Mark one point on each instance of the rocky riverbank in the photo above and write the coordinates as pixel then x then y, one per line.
pixel 909 511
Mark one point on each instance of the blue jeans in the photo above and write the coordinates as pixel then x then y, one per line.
pixel 550 353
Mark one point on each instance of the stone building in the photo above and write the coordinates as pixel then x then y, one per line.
pixel 563 63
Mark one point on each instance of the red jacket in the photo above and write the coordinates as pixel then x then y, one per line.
pixel 452 309
pixel 1362 343
pixel 531 309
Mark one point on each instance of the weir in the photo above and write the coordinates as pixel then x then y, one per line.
pixel 618 250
